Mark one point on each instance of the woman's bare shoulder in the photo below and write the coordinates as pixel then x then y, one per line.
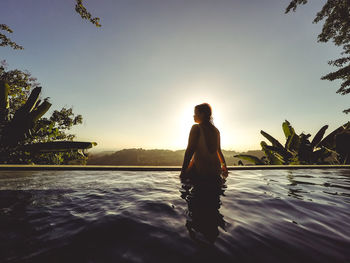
pixel 216 129
pixel 195 128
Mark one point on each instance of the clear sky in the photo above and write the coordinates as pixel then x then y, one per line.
pixel 136 79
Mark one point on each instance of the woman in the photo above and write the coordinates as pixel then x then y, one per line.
pixel 203 157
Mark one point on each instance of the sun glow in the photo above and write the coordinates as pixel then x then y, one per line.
pixel 185 121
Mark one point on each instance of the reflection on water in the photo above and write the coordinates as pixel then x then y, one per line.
pixel 203 202
pixel 270 216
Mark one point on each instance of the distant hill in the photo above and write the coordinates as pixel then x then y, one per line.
pixel 156 157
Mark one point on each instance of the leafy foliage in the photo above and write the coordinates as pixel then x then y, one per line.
pixel 21 124
pixel 79 8
pixel 343 146
pixel 6 41
pixel 334 148
pixel 82 11
pixel 336 28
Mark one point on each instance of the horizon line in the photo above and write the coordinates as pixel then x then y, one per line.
pixel 152 149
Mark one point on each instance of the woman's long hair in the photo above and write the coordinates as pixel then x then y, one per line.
pixel 205 109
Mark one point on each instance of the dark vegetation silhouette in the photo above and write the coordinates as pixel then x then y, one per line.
pixel 335 15
pixel 26 137
pixel 298 149
pixel 157 157
pixel 44 132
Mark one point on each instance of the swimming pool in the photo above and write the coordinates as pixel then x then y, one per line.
pixel 133 216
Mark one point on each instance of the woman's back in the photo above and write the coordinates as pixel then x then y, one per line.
pixel 206 159
pixel 210 135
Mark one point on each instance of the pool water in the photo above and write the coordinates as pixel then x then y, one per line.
pixel 119 216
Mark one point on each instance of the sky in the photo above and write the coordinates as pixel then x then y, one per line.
pixel 137 79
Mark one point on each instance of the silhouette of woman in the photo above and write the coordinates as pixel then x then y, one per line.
pixel 203 159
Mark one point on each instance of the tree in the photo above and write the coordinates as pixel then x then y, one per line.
pixel 54 128
pixel 336 28
pixel 79 8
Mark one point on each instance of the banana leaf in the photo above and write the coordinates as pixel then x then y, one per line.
pixel 329 140
pixel 320 155
pixel 16 130
pixel 342 141
pixel 287 129
pixel 21 114
pixel 250 158
pixel 318 137
pixel 281 151
pixel 293 142
pixel 32 100
pixel 274 142
pixel 24 119
pixel 305 154
pixel 39 111
pixel 305 137
pixel 273 158
pixel 61 146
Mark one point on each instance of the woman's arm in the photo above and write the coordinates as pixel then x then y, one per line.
pixel 222 158
pixel 191 147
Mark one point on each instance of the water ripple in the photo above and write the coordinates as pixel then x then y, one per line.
pixel 257 216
